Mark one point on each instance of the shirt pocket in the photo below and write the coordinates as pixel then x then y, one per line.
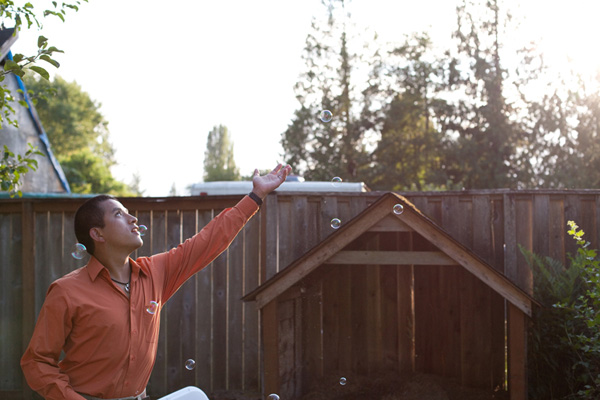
pixel 150 322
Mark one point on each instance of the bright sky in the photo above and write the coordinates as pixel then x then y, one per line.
pixel 167 72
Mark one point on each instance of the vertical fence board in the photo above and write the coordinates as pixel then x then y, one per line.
pixel 272 245
pixel 331 320
pixel 491 309
pixel 158 378
pixel 235 313
pixel 286 348
pixel 524 237
pixel 573 213
pixel 11 289
pixel 345 331
pixel 329 210
pixel 286 234
pixel 42 249
pixel 187 294
pixel 219 320
pixel 588 214
pixel 541 227
pixel 174 310
pixel 251 329
pixel 454 358
pixel 498 243
pixel 312 337
pixel 373 322
pixel 557 229
pixel 389 318
pixel 204 326
pixel 299 228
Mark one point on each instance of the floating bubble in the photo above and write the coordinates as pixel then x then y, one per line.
pixel 342 381
pixel 152 307
pixel 336 223
pixel 273 396
pixel 336 181
pixel 190 364
pixel 398 209
pixel 78 251
pixel 326 116
pixel 142 229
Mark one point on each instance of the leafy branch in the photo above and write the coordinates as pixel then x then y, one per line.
pixel 13 166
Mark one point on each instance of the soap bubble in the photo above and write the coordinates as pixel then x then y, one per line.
pixel 342 381
pixel 190 364
pixel 273 396
pixel 78 251
pixel 398 209
pixel 326 116
pixel 336 181
pixel 336 223
pixel 152 307
pixel 142 229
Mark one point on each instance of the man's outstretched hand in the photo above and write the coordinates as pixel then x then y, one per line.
pixel 263 185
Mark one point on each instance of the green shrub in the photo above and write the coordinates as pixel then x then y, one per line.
pixel 564 339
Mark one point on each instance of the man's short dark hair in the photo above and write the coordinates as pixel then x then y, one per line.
pixel 90 215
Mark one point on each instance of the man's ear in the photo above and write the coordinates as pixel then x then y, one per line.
pixel 96 234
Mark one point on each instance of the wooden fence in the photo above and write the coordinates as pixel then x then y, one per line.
pixel 206 320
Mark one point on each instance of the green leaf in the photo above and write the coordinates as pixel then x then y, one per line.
pixel 41 71
pixel 42 40
pixel 47 58
pixel 53 49
pixel 18 57
pixel 10 65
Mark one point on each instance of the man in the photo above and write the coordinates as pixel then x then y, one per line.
pixel 105 316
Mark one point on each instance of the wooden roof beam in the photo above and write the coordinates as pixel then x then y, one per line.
pixel 365 257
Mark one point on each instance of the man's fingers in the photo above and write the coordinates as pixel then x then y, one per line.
pixel 276 169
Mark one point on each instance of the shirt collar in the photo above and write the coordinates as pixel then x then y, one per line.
pixel 94 267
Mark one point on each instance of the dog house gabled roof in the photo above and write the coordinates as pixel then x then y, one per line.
pixel 380 217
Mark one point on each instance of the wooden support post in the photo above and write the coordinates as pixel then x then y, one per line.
pixel 517 353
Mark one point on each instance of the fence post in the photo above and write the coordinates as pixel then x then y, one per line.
pixel 28 277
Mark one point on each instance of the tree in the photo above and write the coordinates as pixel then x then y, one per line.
pixel 79 135
pixel 321 149
pixel 219 163
pixel 406 157
pixel 409 153
pixel 12 166
pixel 135 187
pixel 483 139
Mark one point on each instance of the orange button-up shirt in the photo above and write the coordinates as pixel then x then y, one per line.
pixel 110 340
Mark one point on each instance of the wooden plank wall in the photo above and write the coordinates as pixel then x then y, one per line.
pixel 207 321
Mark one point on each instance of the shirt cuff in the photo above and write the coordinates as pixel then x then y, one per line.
pixel 247 206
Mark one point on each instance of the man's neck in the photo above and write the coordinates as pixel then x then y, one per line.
pixel 117 266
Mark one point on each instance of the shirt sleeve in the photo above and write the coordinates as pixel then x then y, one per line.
pixel 40 361
pixel 179 264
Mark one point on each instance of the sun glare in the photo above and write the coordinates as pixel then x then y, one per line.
pixel 567 33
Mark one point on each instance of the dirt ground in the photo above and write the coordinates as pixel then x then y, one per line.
pixel 393 387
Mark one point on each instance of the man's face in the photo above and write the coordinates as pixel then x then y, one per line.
pixel 120 228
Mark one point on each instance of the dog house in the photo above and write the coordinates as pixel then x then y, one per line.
pixel 392 291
